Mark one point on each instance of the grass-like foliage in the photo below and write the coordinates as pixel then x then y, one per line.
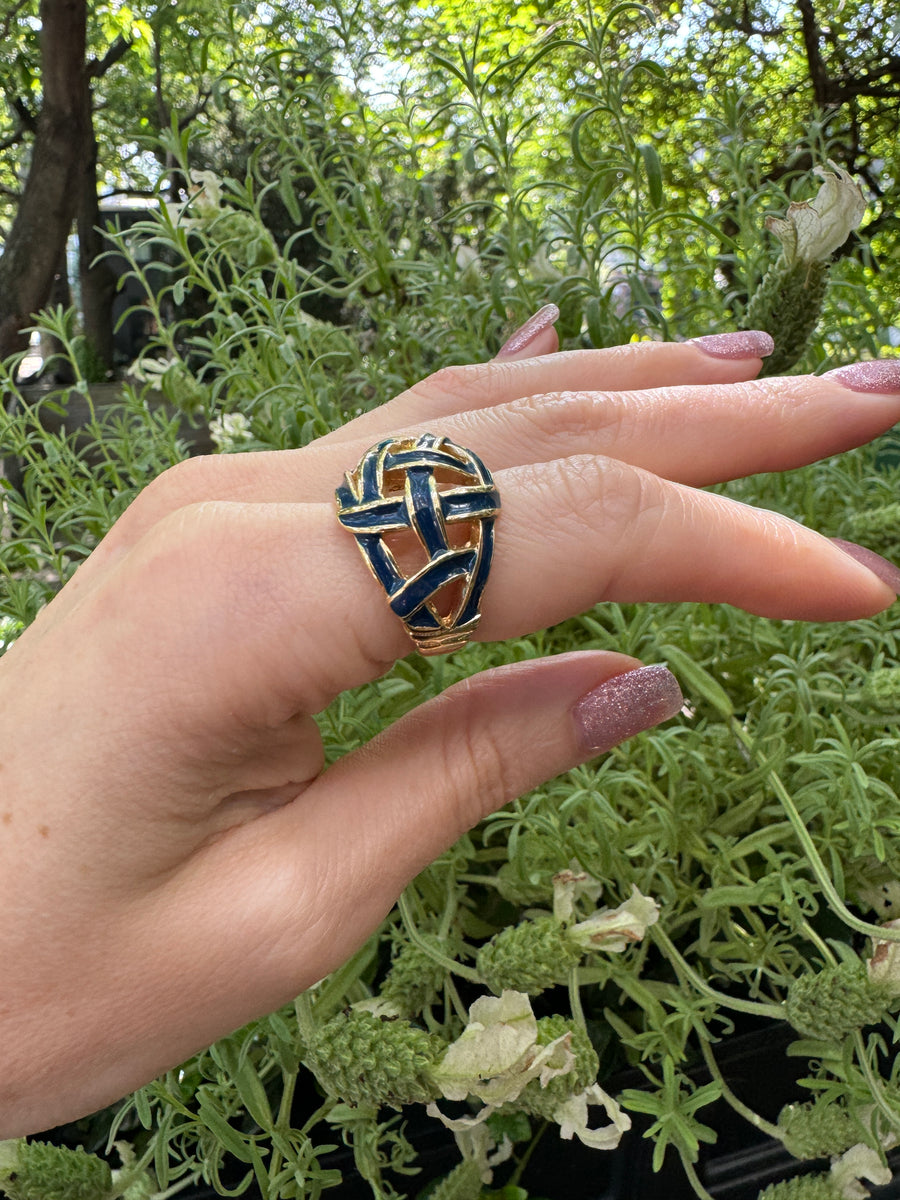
pixel 764 821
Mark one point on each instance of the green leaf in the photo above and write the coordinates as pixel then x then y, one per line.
pixel 698 679
pixel 233 1142
pixel 653 173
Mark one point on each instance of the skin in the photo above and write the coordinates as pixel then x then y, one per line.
pixel 173 859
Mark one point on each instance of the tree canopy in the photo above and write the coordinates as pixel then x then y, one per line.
pixel 489 101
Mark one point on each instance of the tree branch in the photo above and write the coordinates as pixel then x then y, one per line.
pixel 27 119
pixel 98 67
pixel 812 35
pixel 200 107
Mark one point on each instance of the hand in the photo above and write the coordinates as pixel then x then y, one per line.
pixel 174 859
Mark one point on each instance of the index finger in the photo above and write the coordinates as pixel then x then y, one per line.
pixel 718 358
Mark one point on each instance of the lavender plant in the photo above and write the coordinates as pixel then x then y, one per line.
pixel 741 863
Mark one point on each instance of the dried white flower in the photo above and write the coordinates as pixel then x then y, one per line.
pixel 572 1118
pixel 884 965
pixel 612 929
pixel 568 886
pixel 497 1053
pixel 859 1162
pixel 149 370
pixel 207 193
pixel 812 230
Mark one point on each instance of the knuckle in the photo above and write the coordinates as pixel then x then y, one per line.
pixel 180 484
pixel 576 417
pixel 598 493
pixel 470 386
pixel 184 481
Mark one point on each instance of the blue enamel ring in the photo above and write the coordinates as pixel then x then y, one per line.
pixel 422 510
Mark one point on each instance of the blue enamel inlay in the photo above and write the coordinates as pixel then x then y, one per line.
pixel 370 515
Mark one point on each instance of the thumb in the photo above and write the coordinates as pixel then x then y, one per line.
pixel 275 904
pixel 375 819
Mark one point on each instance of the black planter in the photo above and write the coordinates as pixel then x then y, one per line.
pixel 737 1166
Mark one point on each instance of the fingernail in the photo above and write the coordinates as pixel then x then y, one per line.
pixel 882 567
pixel 525 334
pixel 874 375
pixel 625 705
pixel 744 343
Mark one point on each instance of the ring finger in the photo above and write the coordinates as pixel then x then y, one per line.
pixel 305 619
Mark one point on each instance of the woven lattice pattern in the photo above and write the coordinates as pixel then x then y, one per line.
pixel 433 489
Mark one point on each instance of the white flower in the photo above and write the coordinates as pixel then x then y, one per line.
pixel 229 430
pixel 466 257
pixel 612 929
pixel 497 1053
pixel 812 230
pixel 207 192
pixel 149 370
pixel 884 965
pixel 568 886
pixel 572 1118
pixel 477 1145
pixel 859 1162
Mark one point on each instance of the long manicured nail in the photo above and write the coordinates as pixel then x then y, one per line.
pixel 744 343
pixel 525 334
pixel 874 375
pixel 625 705
pixel 886 571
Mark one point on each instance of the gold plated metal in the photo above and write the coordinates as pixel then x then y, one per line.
pixel 422 510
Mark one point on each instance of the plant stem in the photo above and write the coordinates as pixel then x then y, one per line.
pixel 817 866
pixel 188 1181
pixel 444 960
pixel 820 944
pixel 875 1082
pixel 524 1160
pixel 575 997
pixel 757 1007
pixel 729 1097
pixel 283 1120
pixel 694 1181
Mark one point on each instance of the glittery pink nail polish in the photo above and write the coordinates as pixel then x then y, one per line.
pixel 743 343
pixel 525 334
pixel 882 567
pixel 874 375
pixel 625 705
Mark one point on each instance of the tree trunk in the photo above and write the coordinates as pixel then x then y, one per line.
pixel 47 207
pixel 98 282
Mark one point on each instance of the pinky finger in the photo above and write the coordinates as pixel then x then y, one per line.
pixel 533 339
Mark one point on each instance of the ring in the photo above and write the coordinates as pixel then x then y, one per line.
pixel 422 510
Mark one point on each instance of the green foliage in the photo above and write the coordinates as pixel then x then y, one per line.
pixel 806 1187
pixel 528 957
pixel 674 1105
pixel 462 1183
pixel 367 1059
pixel 41 1171
pixel 788 304
pixel 835 1001
pixel 541 1100
pixel 817 1129
pixel 425 222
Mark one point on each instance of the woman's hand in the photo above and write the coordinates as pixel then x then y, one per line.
pixel 174 859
